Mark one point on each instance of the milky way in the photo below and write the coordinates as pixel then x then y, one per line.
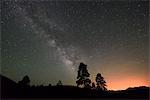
pixel 68 55
pixel 48 39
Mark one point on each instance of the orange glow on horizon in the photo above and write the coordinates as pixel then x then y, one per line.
pixel 122 84
pixel 121 75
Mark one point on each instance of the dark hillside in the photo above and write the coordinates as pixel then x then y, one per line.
pixel 10 89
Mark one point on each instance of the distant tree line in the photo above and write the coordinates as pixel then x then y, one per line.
pixel 25 82
pixel 83 80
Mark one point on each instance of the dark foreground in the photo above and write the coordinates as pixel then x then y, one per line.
pixel 71 99
pixel 10 89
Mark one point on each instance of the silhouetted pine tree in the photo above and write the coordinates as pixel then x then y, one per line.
pixel 59 83
pixel 93 85
pixel 83 76
pixel 101 84
pixel 25 82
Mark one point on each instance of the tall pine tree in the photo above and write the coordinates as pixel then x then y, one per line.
pixel 101 83
pixel 83 76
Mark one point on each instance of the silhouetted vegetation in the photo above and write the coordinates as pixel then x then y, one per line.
pixel 83 76
pixel 22 89
pixel 25 82
pixel 101 84
pixel 93 85
pixel 59 83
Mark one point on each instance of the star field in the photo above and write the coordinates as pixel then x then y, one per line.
pixel 47 40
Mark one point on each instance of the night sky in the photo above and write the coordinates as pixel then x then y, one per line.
pixel 47 40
